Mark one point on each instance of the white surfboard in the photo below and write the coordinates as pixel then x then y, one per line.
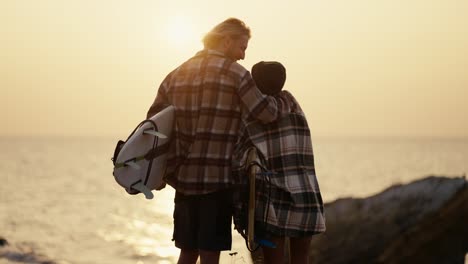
pixel 140 164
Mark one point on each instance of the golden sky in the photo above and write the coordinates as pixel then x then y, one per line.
pixel 359 68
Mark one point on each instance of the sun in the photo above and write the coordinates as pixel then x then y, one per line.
pixel 180 31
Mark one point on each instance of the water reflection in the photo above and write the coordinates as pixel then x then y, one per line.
pixel 146 227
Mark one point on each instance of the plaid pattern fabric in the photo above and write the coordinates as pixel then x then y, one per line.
pixel 211 94
pixel 288 202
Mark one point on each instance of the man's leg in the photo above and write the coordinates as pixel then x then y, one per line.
pixel 209 257
pixel 188 256
pixel 215 226
pixel 185 228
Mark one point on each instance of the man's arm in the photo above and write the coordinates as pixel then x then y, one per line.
pixel 262 107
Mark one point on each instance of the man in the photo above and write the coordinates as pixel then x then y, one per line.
pixel 211 94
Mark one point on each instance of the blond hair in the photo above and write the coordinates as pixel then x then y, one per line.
pixel 231 27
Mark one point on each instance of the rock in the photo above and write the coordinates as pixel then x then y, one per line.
pixel 441 238
pixel 3 242
pixel 421 222
pixel 21 253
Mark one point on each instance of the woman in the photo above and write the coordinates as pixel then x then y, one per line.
pixel 288 202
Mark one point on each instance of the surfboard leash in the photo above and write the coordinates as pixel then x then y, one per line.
pixel 265 173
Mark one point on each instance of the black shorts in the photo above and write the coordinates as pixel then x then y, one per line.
pixel 203 221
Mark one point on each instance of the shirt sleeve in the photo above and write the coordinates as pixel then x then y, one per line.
pixel 261 107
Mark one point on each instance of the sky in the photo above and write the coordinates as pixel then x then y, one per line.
pixel 393 68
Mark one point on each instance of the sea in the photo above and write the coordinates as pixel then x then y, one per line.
pixel 59 202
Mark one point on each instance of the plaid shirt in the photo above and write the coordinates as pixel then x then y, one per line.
pixel 211 94
pixel 289 202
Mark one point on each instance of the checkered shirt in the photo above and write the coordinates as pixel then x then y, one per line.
pixel 288 202
pixel 211 95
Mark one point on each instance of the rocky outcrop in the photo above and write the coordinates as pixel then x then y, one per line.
pixel 21 253
pixel 441 238
pixel 3 242
pixel 425 221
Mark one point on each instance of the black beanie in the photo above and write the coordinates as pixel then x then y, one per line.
pixel 269 76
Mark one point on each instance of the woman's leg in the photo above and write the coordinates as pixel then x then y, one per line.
pixel 274 255
pixel 299 249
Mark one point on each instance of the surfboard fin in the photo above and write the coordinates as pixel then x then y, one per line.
pixel 133 164
pixel 143 189
pixel 154 133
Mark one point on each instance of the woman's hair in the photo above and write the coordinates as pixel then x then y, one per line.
pixel 269 76
pixel 231 27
